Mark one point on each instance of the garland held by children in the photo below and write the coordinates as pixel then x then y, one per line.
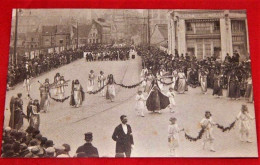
pixel 59 100
pixel 96 91
pixel 193 139
pixel 224 129
pixel 129 86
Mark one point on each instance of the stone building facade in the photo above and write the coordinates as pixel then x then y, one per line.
pixel 206 33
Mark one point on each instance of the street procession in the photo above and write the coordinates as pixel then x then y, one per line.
pixel 130 97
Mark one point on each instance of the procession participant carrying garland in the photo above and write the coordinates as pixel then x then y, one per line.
pixel 101 82
pixel 207 124
pixel 77 94
pixel 44 95
pixel 91 80
pixel 111 91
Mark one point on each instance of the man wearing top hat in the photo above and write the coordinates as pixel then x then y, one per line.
pixel 123 137
pixel 88 148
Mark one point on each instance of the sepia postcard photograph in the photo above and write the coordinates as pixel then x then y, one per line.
pixel 129 83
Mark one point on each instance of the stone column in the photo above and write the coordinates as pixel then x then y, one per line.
pixel 226 37
pixel 171 35
pixel 181 37
pixel 247 39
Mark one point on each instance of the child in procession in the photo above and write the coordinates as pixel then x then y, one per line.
pixel 173 136
pixel 171 96
pixel 207 123
pixel 244 126
pixel 140 104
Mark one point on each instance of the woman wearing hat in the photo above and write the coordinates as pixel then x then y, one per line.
pixel 207 124
pixel 203 81
pixel 244 126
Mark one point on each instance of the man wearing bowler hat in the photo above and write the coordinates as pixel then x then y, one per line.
pixel 123 137
pixel 88 148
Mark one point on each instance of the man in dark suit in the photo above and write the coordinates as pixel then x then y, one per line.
pixel 123 137
pixel 87 150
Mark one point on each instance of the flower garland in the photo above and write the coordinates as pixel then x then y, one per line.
pixel 164 83
pixel 130 86
pixel 97 91
pixel 59 100
pixel 224 129
pixel 192 139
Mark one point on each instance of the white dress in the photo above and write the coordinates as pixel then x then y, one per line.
pixel 244 119
pixel 171 98
pixel 173 134
pixel 140 104
pixel 208 124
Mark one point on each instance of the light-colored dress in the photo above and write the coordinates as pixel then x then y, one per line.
pixel 34 118
pixel 91 84
pixel 173 134
pixel 171 96
pixel 181 82
pixel 208 124
pixel 111 92
pixel 203 83
pixel 140 104
pixel 77 95
pixel 101 83
pixel 244 119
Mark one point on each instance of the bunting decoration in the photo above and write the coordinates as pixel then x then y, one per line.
pixel 192 139
pixel 129 86
pixel 224 129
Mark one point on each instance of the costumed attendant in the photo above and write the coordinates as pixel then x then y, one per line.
pixel 156 100
pixel 173 136
pixel 91 78
pixel 101 82
pixel 61 87
pixel 249 89
pixel 244 126
pixel 44 94
pixel 140 104
pixel 34 115
pixel 207 124
pixel 174 78
pixel 27 85
pixel 149 80
pixel 171 96
pixel 56 80
pixel 233 86
pixel 181 82
pixel 203 81
pixel 77 94
pixel 111 91
pixel 217 85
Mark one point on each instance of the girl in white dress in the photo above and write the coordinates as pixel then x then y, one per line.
pixel 91 78
pixel 140 103
pixel 171 96
pixel 27 85
pixel 244 126
pixel 173 136
pixel 207 123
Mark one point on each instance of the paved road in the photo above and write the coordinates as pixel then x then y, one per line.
pixel 64 124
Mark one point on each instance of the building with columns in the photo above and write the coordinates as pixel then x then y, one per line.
pixel 206 33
